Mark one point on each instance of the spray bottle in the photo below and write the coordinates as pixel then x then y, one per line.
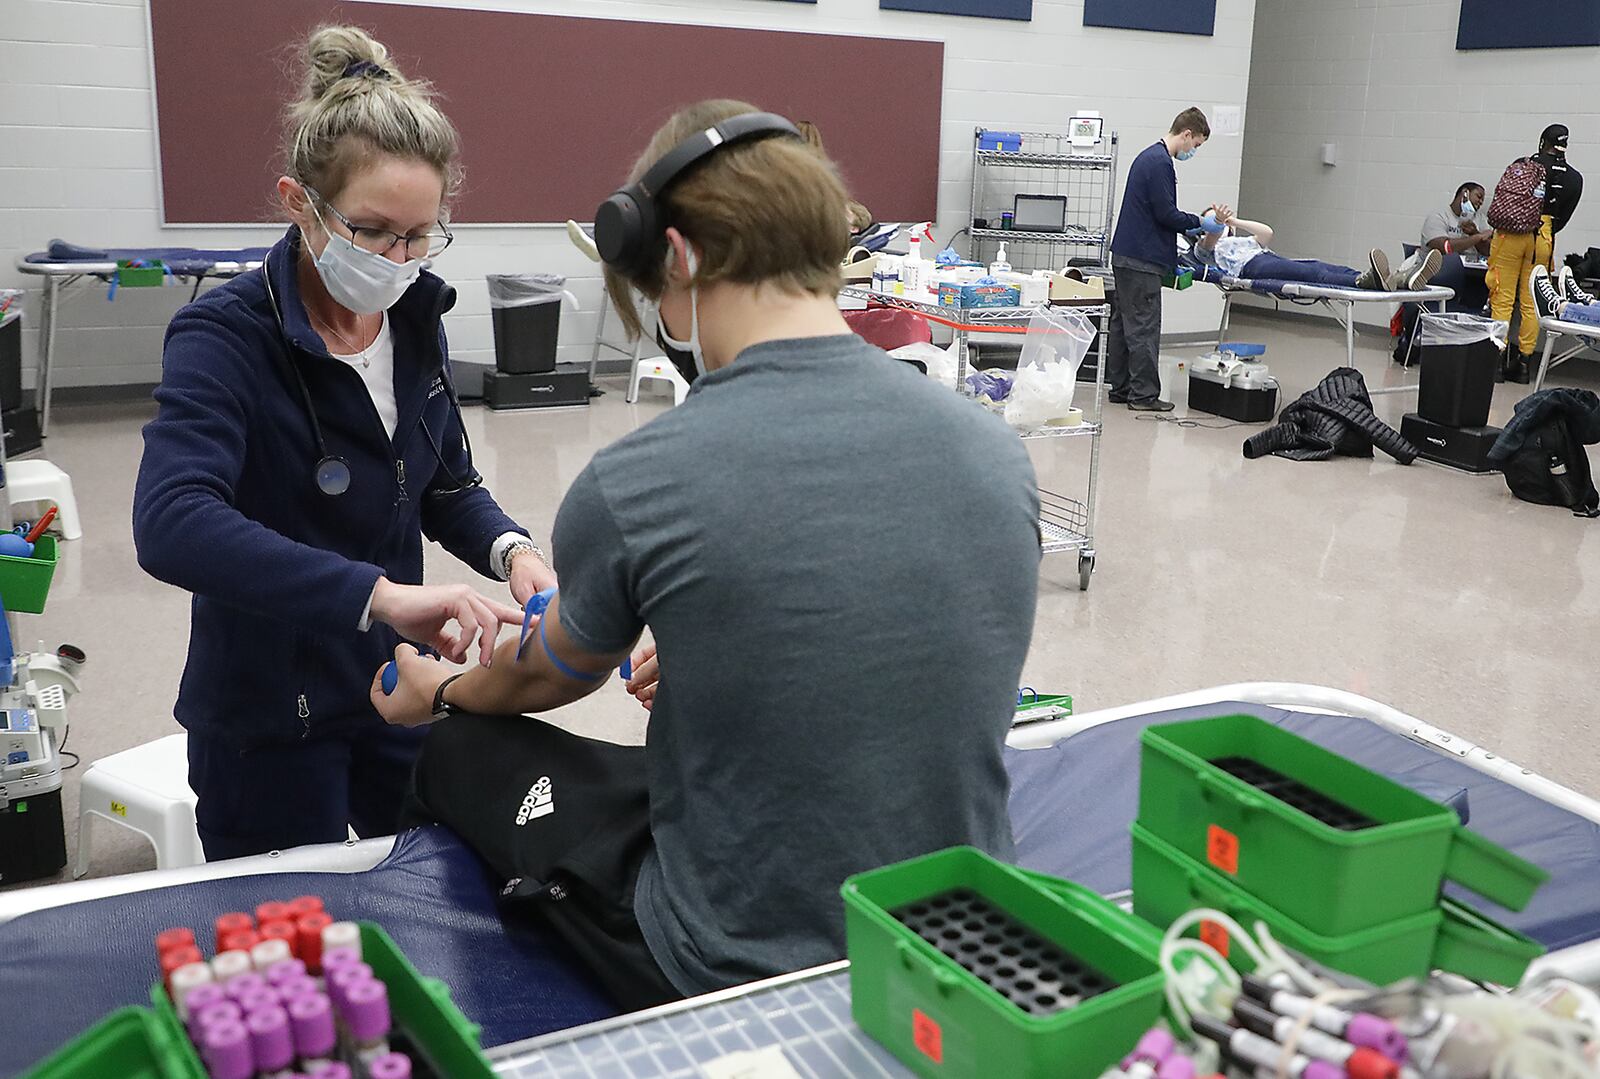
pixel 918 272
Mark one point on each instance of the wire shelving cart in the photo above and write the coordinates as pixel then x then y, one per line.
pixel 1047 164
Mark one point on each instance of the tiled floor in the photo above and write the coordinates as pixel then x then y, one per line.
pixel 1433 591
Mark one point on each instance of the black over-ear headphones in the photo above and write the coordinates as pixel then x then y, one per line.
pixel 628 224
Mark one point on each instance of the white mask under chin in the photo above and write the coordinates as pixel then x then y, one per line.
pixel 691 346
pixel 361 281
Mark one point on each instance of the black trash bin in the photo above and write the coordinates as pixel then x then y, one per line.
pixel 1460 354
pixel 526 312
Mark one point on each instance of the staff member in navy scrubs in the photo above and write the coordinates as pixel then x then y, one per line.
pixel 308 437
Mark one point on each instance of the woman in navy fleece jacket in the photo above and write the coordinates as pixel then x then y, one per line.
pixel 301 595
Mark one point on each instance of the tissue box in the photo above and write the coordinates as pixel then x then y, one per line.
pixel 958 295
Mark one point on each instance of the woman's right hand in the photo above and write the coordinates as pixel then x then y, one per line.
pixel 423 613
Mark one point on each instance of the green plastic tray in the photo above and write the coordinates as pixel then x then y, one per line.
pixel 941 1020
pixel 150 276
pixel 1333 881
pixel 25 582
pixel 151 1044
pixel 1167 884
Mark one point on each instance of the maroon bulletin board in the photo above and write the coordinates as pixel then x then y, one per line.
pixel 552 109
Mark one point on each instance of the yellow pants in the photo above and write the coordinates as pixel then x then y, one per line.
pixel 1512 257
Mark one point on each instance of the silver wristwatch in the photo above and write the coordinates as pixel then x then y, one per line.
pixel 509 555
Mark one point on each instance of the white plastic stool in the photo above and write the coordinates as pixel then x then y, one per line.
pixel 657 367
pixel 41 481
pixel 145 788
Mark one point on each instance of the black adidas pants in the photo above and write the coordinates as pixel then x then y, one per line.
pixel 565 820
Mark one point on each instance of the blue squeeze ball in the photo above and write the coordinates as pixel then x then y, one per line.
pixel 15 546
pixel 391 677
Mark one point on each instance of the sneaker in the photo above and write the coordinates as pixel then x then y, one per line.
pixel 1425 272
pixel 1155 404
pixel 1376 277
pixel 1567 285
pixel 1545 297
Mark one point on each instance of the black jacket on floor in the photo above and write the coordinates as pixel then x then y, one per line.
pixel 1541 452
pixel 1333 417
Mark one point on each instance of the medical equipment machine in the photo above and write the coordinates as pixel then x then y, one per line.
pixel 1234 383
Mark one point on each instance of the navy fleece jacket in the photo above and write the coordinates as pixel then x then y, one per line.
pixel 1148 226
pixel 227 507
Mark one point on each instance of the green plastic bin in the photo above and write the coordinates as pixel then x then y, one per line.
pixel 25 582
pixel 1167 884
pixel 941 1020
pixel 150 275
pixel 136 1043
pixel 1332 880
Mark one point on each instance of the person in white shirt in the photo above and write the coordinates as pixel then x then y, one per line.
pixel 1460 226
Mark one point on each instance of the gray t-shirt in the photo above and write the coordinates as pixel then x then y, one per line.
pixel 1446 225
pixel 839 560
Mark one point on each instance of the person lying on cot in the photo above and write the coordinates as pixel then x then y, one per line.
pixel 1238 248
pixel 789 542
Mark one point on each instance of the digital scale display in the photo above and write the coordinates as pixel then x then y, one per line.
pixel 18 720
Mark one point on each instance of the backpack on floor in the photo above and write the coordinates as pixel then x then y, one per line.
pixel 1552 469
pixel 1518 198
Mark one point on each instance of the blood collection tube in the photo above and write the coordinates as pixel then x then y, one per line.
pixel 241 940
pixel 184 981
pixel 233 922
pixel 270 1040
pixel 243 983
pixel 258 999
pixel 298 986
pixel 176 937
pixel 223 1011
pixel 283 931
pixel 390 1066
pixel 272 911
pixel 1257 1051
pixel 302 905
pixel 311 1021
pixel 334 958
pixel 225 1047
pixel 341 935
pixel 200 998
pixel 1358 1061
pixel 268 952
pixel 173 958
pixel 366 1017
pixel 1156 1045
pixel 1357 1028
pixel 308 929
pixel 283 970
pixel 341 980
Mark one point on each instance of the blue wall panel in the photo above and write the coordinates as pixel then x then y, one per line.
pixel 986 9
pixel 1173 16
pixel 1528 24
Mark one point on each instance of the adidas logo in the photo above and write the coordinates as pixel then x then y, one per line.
pixel 540 802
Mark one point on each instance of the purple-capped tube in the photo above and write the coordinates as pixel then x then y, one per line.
pixel 259 999
pixel 311 1022
pixel 366 1017
pixel 270 1039
pixel 390 1066
pixel 335 958
pixel 225 1047
pixel 302 986
pixel 200 998
pixel 222 1012
pixel 244 983
pixel 283 970
pixel 340 981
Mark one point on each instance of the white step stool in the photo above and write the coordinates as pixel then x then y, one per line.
pixel 41 481
pixel 660 368
pixel 145 788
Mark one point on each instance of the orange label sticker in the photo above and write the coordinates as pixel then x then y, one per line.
pixel 927 1035
pixel 1213 934
pixel 1222 849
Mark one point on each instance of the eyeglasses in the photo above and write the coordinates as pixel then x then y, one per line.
pixel 382 241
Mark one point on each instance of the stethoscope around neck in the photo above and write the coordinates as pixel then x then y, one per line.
pixel 332 472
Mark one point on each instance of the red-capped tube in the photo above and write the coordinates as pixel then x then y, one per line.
pixel 302 905
pixel 308 934
pixel 233 922
pixel 176 937
pixel 273 911
pixel 241 940
pixel 173 958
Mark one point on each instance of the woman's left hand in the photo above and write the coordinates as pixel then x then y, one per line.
pixel 530 575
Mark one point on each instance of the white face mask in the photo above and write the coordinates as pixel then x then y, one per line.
pixel 1467 209
pixel 676 350
pixel 357 279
